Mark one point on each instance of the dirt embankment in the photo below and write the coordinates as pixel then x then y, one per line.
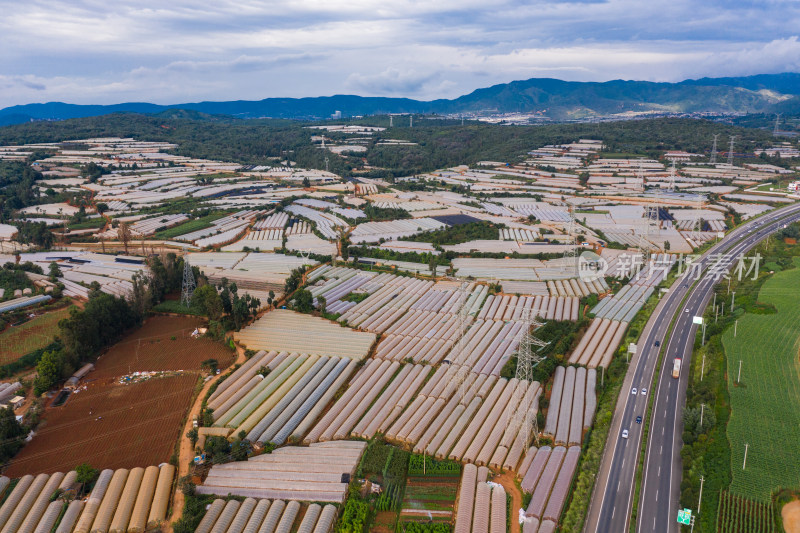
pixel 791 517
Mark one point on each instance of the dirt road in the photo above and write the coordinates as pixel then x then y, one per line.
pixel 186 450
pixel 506 479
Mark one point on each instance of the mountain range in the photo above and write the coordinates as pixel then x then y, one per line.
pixel 556 99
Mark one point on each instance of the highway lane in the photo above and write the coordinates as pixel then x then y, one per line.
pixel 612 498
pixel 662 474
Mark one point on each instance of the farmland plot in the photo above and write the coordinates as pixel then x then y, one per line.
pixel 765 406
pixel 110 426
pixel 32 335
pixel 152 348
pixel 740 514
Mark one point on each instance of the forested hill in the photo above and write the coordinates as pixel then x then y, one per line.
pixel 439 143
pixel 556 99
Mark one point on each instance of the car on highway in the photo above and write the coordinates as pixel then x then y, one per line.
pixel 686 310
pixel 634 391
pixel 639 419
pixel 658 343
pixel 624 433
pixel 644 391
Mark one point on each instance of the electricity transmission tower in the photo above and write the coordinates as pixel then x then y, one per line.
pixel 459 379
pixel 571 252
pixel 671 183
pixel 527 359
pixel 730 151
pixel 188 286
pixel 326 153
pixel 651 214
pixel 713 160
pixel 777 121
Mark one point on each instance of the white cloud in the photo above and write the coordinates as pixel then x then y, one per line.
pixel 92 51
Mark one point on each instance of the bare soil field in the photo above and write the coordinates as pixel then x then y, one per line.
pixel 109 425
pixel 162 343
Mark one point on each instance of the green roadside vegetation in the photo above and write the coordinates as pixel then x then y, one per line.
pixel 608 389
pixel 761 411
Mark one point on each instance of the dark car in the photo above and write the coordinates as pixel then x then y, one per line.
pixel 638 419
pixel 658 343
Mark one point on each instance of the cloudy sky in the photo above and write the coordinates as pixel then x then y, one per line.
pixel 172 51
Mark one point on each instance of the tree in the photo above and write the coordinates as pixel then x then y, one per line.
pixel 49 370
pixel 306 183
pixel 86 474
pixel 303 301
pixel 101 208
pixel 666 246
pixel 193 435
pixel 54 271
pixel 12 434
pixel 208 301
pixel 322 303
pixel 210 365
pixel 432 265
pixel 124 234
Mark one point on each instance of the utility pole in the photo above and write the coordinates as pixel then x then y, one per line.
pixel 729 285
pixel 704 332
pixel 716 314
pixel 739 376
pixel 703 368
pixel 702 410
pixel 700 499
pixel 715 300
pixel 744 463
pixel 733 295
pixel 735 325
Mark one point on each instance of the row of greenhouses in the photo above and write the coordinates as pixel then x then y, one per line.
pixel 598 344
pixel 456 414
pixel 511 307
pixel 265 516
pixel 573 401
pixel 287 331
pixel 316 473
pixel 481 505
pixel 289 398
pixel 122 500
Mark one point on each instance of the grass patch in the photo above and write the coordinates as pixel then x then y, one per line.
pixel 30 336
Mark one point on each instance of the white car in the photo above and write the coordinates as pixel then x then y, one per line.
pixel 686 310
pixel 634 391
pixel 644 392
pixel 624 433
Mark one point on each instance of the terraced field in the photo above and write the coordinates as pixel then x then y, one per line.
pixel 766 404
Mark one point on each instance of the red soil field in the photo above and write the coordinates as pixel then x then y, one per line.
pixel 110 426
pixel 151 348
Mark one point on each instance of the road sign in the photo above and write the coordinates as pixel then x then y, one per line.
pixel 685 517
pixel 697 320
pixel 632 348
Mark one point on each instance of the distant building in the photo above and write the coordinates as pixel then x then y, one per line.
pixel 794 186
pixel 336 115
pixel 680 157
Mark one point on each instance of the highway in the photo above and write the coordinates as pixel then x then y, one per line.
pixel 612 499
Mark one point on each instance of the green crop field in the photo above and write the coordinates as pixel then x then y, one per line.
pixel 765 407
pixel 29 336
pixel 189 226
